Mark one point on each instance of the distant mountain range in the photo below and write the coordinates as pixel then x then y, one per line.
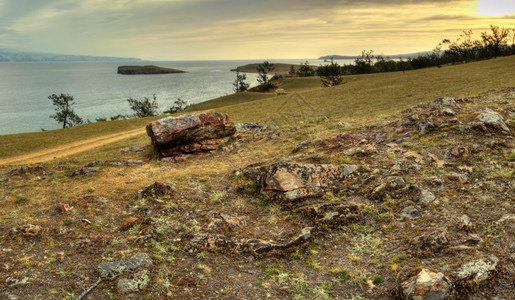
pixel 18 56
pixel 412 55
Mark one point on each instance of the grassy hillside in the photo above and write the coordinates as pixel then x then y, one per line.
pixel 312 210
pixel 360 98
pixel 372 95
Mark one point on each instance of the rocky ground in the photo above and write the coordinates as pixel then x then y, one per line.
pixel 416 205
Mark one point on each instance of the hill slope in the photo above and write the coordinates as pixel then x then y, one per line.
pixel 430 188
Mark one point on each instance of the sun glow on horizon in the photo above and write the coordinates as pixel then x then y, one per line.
pixel 495 7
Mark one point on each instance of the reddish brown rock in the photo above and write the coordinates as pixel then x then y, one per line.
pixel 189 134
pixel 427 285
pixel 129 222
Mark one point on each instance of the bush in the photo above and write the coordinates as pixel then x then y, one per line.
pixel 145 107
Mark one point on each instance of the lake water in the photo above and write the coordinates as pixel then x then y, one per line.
pixel 100 92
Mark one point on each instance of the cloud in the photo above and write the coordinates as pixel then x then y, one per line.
pixel 211 29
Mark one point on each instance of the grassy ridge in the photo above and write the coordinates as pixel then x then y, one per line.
pixel 361 98
pixel 371 95
pixel 279 68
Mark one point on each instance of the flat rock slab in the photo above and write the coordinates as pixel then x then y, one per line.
pixel 290 181
pixel 111 270
pixel 477 272
pixel 189 134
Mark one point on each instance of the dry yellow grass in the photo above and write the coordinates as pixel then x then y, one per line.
pixel 360 99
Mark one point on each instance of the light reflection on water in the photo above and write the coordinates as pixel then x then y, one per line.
pixel 100 92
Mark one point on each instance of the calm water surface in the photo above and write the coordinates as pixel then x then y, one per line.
pixel 100 92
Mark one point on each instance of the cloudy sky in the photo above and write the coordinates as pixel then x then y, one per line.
pixel 241 29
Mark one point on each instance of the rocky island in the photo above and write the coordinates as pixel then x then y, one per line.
pixel 146 70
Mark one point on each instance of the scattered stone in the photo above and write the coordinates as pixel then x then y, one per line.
pixel 361 151
pixel 328 213
pixel 85 171
pixel 64 207
pixel 448 111
pixel 102 200
pixel 459 177
pixel 28 230
pixel 301 146
pixel 13 281
pixel 427 285
pixel 458 151
pixel 410 212
pixel 155 190
pixel 111 270
pixel 134 283
pixel 136 149
pixel 393 186
pixel 464 223
pixel 425 197
pixel 59 256
pixel 470 241
pixel 344 124
pixel 431 243
pixel 254 128
pixel 505 218
pixel 425 126
pixel 189 134
pixel 444 102
pixel 349 169
pixel 129 222
pixel 475 273
pixel 93 163
pixel 22 170
pixel 492 119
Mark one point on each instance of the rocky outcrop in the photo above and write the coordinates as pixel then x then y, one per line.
pixel 490 118
pixel 189 134
pixel 475 273
pixel 289 181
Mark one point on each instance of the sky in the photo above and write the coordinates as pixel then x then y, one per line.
pixel 242 29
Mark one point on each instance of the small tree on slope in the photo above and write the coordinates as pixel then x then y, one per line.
pixel 63 112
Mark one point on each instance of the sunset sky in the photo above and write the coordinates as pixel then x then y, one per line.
pixel 241 29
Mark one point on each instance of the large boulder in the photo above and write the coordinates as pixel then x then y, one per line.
pixel 190 134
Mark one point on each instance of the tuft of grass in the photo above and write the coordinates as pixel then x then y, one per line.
pixel 342 274
pixel 21 200
pixel 377 279
pixel 264 201
pixel 217 196
pixel 373 212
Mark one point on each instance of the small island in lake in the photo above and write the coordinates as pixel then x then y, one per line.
pixel 146 70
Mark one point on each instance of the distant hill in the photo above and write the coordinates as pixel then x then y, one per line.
pixel 412 55
pixel 17 56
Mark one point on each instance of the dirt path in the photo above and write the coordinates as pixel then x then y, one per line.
pixel 69 149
